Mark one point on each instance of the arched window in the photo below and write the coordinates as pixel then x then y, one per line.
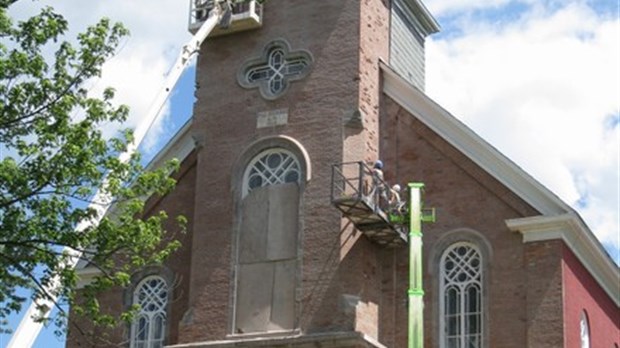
pixel 461 296
pixel 271 167
pixel 266 265
pixel 584 330
pixel 149 326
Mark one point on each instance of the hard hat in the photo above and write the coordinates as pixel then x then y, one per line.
pixel 396 188
pixel 379 164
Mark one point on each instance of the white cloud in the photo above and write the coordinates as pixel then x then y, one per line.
pixel 541 89
pixel 442 7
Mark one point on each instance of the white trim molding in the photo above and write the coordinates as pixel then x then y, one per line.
pixel 425 22
pixel 86 275
pixel 580 240
pixel 179 147
pixel 470 144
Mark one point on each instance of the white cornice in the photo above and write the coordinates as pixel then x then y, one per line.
pixel 86 275
pixel 180 146
pixel 470 144
pixel 576 235
pixel 423 16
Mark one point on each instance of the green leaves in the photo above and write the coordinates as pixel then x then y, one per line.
pixel 39 30
pixel 53 160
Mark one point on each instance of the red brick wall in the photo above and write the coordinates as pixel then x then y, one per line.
pixel 82 334
pixel 544 294
pixel 582 292
pixel 466 198
pixel 374 46
pixel 354 266
pixel 178 202
pixel 344 78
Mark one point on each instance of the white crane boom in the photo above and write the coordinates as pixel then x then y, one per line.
pixel 29 328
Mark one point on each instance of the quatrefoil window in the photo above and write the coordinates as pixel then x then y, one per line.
pixel 275 69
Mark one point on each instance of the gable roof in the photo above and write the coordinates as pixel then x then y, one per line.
pixel 557 220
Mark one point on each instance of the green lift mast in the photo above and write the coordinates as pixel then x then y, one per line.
pixel 416 292
pixel 387 225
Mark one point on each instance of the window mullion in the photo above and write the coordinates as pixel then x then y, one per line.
pixel 462 315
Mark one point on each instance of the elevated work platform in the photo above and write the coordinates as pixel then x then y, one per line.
pixel 245 15
pixel 364 199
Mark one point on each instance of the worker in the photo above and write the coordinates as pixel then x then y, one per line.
pixel 380 188
pixel 226 15
pixel 377 170
pixel 395 196
pixel 397 206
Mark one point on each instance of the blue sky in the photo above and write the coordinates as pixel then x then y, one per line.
pixel 538 79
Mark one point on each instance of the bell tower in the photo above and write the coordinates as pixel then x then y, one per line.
pixel 286 91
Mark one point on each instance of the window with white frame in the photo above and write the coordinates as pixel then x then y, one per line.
pixel 149 326
pixel 461 297
pixel 271 167
pixel 584 330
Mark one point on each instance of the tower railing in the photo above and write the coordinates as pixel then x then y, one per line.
pixel 245 16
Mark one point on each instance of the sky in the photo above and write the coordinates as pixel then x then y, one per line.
pixel 538 79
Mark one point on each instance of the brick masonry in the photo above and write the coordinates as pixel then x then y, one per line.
pixel 344 79
pixel 544 294
pixel 583 294
pixel 179 202
pixel 345 282
pixel 466 199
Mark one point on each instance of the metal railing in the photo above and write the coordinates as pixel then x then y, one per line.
pixel 199 12
pixel 358 182
pixel 351 180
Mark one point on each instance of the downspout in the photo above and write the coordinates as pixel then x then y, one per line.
pixel 415 292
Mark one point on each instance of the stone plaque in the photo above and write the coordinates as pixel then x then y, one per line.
pixel 272 118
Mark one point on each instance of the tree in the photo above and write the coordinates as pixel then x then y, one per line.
pixel 54 159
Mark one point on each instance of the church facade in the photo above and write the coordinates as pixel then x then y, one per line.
pixel 269 260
